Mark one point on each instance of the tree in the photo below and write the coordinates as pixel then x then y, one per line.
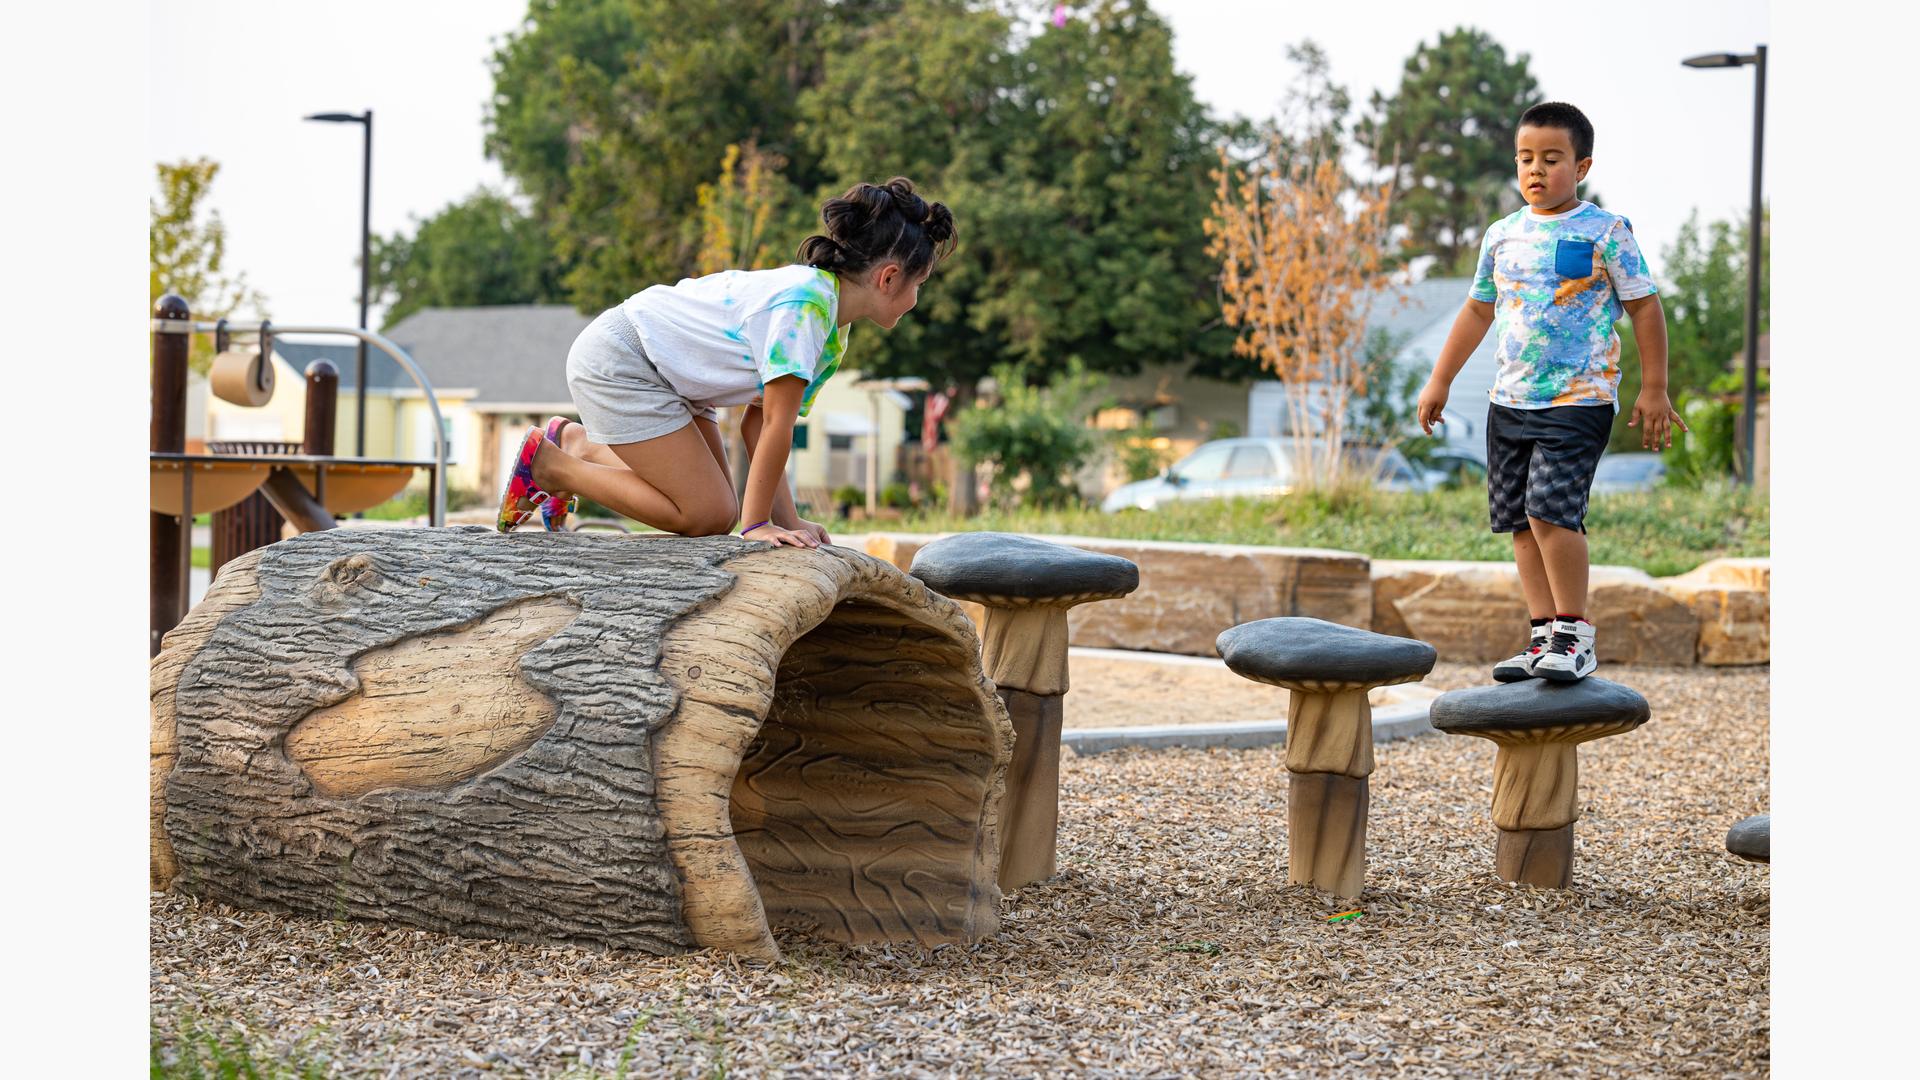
pixel 1302 249
pixel 747 214
pixel 188 252
pixel 1703 292
pixel 1076 161
pixel 481 250
pixel 610 115
pixel 1451 124
pixel 1705 298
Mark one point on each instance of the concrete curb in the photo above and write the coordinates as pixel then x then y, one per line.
pixel 1390 722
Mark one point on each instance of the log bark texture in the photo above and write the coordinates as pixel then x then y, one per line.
pixel 640 742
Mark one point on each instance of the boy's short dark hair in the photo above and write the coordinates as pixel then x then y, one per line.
pixel 1559 114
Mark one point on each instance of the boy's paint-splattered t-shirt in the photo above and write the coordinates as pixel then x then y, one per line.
pixel 1557 284
pixel 719 339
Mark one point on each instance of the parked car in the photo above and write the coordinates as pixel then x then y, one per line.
pixel 1250 468
pixel 1454 466
pixel 1629 472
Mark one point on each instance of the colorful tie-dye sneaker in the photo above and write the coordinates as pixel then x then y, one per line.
pixel 521 488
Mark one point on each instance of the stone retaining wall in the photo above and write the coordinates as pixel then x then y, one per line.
pixel 1189 593
pixel 1470 611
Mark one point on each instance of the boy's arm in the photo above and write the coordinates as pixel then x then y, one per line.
pixel 767 474
pixel 1469 329
pixel 1653 413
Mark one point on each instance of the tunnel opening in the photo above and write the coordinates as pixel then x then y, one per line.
pixel 870 781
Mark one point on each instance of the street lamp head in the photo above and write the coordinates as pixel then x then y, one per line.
pixel 1717 60
pixel 338 118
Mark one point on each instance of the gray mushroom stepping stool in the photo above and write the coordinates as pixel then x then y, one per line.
pixel 1750 838
pixel 1538 725
pixel 1328 668
pixel 1026 586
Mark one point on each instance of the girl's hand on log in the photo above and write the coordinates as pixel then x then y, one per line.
pixel 779 537
pixel 810 528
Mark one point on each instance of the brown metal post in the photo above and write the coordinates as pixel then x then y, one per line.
pixel 168 435
pixel 323 394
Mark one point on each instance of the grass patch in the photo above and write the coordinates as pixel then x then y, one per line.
pixel 202 558
pixel 221 1048
pixel 1664 532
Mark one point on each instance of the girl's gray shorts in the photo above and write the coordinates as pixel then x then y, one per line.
pixel 621 396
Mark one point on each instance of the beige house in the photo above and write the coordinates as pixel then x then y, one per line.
pixel 498 370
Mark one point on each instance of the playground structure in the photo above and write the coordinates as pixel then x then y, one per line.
pixel 309 489
pixel 663 743
pixel 657 743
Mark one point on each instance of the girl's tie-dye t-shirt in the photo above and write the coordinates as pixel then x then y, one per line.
pixel 1557 284
pixel 719 339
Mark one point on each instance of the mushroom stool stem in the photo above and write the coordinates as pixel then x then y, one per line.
pixel 1541 857
pixel 1329 757
pixel 1030 814
pixel 1327 831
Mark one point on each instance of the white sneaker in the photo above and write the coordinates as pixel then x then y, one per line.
pixel 1519 667
pixel 1568 656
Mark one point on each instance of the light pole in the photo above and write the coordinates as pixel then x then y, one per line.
pixel 366 242
pixel 1758 58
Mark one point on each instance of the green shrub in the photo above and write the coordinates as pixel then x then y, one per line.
pixel 896 497
pixel 1705 453
pixel 1138 457
pixel 1036 432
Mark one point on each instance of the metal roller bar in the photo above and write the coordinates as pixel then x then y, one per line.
pixel 437 512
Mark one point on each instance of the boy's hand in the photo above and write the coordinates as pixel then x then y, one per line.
pixel 1659 415
pixel 1433 400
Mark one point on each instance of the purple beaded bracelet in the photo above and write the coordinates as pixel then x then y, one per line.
pixel 750 528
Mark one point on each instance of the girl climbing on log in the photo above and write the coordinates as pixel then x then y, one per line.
pixel 647 375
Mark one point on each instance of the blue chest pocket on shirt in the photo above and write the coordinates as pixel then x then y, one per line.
pixel 1573 258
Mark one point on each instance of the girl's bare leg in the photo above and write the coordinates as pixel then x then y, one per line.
pixel 574 440
pixel 672 483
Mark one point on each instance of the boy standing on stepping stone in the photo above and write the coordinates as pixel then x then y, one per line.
pixel 1553 279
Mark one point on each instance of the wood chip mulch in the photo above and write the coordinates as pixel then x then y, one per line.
pixel 1169 944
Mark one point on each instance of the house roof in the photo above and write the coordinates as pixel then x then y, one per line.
pixel 507 353
pixel 382 372
pixel 1405 310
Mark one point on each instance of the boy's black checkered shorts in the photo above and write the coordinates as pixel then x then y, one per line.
pixel 1540 463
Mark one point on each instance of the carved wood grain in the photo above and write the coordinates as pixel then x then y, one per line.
pixel 434 710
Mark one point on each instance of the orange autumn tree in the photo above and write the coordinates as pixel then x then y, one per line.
pixel 1302 255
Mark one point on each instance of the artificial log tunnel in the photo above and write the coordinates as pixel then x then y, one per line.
pixel 640 742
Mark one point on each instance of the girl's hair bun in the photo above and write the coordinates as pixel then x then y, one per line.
pixel 874 223
pixel 823 252
pixel 939 223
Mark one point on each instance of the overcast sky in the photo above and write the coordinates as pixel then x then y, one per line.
pixel 231 80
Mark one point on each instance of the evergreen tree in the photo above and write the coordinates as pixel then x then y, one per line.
pixel 1451 125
